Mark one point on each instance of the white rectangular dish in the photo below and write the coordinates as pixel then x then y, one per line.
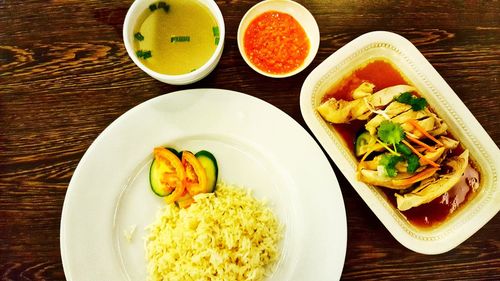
pixel 419 72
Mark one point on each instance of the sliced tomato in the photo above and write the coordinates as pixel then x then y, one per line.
pixel 196 177
pixel 172 175
pixel 185 201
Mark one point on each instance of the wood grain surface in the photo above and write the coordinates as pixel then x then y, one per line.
pixel 65 76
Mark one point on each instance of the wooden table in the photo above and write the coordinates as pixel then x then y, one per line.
pixel 65 76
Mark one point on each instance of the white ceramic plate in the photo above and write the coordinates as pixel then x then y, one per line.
pixel 257 146
pixel 412 64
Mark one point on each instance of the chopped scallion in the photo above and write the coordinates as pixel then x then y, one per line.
pixel 138 36
pixel 143 54
pixel 217 39
pixel 164 6
pixel 215 31
pixel 174 39
pixel 147 54
pixel 153 7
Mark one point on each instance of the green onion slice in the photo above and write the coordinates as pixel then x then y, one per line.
pixel 138 36
pixel 174 39
pixel 215 31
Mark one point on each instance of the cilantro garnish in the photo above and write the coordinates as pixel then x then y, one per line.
pixel 403 149
pixel 415 102
pixel 413 163
pixel 389 162
pixel 405 98
pixel 390 132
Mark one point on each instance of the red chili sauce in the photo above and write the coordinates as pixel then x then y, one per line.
pixel 276 43
pixel 382 74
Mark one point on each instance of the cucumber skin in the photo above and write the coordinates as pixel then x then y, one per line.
pixel 174 151
pixel 211 175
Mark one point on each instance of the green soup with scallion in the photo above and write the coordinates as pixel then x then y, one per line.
pixel 176 36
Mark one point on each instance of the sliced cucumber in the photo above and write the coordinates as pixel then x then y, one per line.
pixel 364 143
pixel 174 151
pixel 155 173
pixel 208 162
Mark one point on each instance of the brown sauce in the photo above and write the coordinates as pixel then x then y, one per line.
pixel 439 209
pixel 348 132
pixel 382 74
